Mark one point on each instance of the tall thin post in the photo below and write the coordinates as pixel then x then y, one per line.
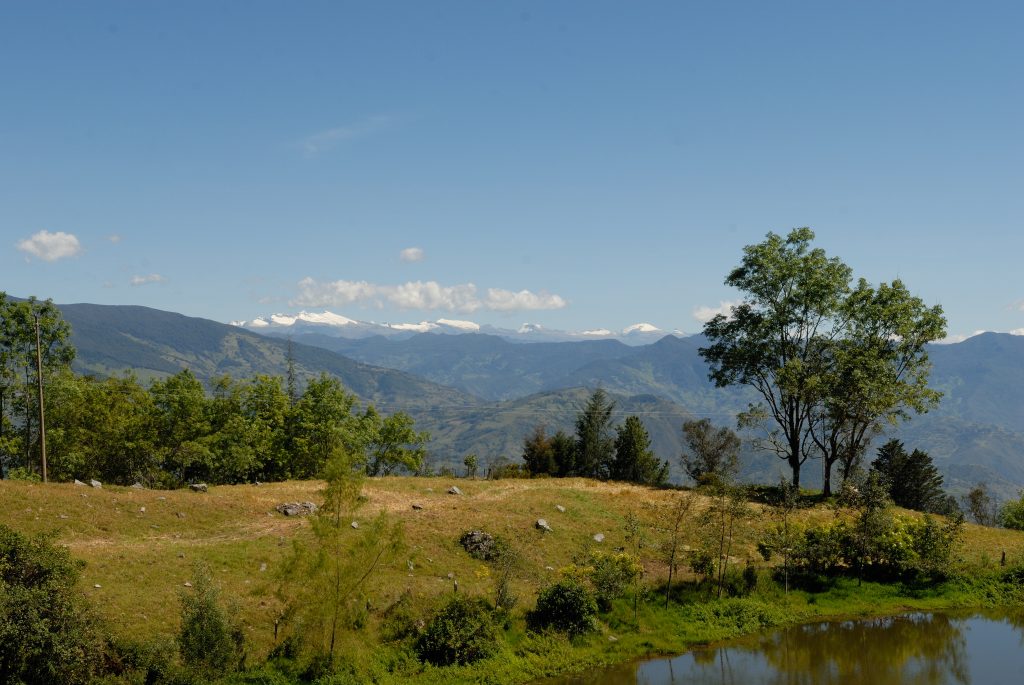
pixel 42 411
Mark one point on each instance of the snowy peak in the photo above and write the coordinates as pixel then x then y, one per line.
pixel 329 323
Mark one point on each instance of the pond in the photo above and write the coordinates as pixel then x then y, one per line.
pixel 915 649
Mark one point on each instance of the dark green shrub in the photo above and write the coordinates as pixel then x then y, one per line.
pixel 210 639
pixel 460 633
pixel 567 606
pixel 47 633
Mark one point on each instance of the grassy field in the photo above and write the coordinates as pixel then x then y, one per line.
pixel 140 547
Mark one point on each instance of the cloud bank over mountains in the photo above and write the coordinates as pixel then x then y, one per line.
pixel 461 298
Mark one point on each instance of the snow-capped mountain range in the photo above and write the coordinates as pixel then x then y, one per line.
pixel 329 323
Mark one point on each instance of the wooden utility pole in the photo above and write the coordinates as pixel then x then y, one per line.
pixel 42 411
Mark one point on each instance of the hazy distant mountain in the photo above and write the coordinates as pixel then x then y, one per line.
pixel 155 343
pixel 977 433
pixel 333 325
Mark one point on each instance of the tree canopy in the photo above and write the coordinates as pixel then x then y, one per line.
pixel 832 363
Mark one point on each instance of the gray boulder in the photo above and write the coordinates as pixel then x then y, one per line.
pixel 95 483
pixel 541 524
pixel 199 487
pixel 297 508
pixel 454 490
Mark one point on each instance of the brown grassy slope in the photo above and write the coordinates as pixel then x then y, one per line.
pixel 141 559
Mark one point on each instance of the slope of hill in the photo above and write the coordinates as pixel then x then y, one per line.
pixel 154 343
pixel 483 365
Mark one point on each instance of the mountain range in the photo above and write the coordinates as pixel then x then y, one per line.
pixel 482 393
pixel 333 325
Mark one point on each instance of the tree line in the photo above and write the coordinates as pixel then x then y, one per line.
pixel 177 431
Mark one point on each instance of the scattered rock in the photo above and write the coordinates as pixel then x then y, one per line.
pixel 78 482
pixel 430 489
pixel 599 537
pixel 541 524
pixel 560 508
pixel 612 638
pixel 549 568
pixel 63 516
pixel 296 508
pixel 180 514
pixel 138 486
pixel 480 545
pixel 95 483
pixel 410 564
pixel 451 576
pixel 97 586
pixel 188 584
pixel 417 507
pixel 142 510
pixel 181 555
pixel 263 567
pixel 199 487
pixel 162 498
pixel 355 524
pixel 454 490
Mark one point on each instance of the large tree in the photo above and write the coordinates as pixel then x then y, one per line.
pixel 711 454
pixel 831 363
pixel 595 439
pixel 19 406
pixel 634 460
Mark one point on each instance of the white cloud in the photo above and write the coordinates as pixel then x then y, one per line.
pixel 51 246
pixel 326 139
pixel 411 254
pixel 114 238
pixel 424 295
pixel 143 280
pixel 705 313
pixel 508 301
pixel 1017 331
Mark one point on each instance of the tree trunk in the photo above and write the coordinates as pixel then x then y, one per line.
pixel 826 478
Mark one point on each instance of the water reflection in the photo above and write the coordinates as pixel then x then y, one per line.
pixel 918 649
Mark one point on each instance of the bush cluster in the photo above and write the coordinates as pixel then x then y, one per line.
pixel 461 632
pixel 567 606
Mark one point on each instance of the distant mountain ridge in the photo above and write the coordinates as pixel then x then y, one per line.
pixel 329 324
pixel 482 393
pixel 152 343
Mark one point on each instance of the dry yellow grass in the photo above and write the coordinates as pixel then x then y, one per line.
pixel 142 558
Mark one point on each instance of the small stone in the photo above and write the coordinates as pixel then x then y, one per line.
pixel 263 567
pixel 409 564
pixel 142 510
pixel 549 568
pixel 138 486
pixel 78 482
pixel 162 498
pixel 417 507
pixel 612 638
pixel 451 576
pixel 454 490
pixel 355 524
pixel 560 508
pixel 188 584
pixel 541 524
pixel 180 514
pixel 95 483
pixel 97 586
pixel 181 555
pixel 599 537
pixel 199 487
pixel 63 516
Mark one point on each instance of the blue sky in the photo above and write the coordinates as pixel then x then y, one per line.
pixel 573 164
